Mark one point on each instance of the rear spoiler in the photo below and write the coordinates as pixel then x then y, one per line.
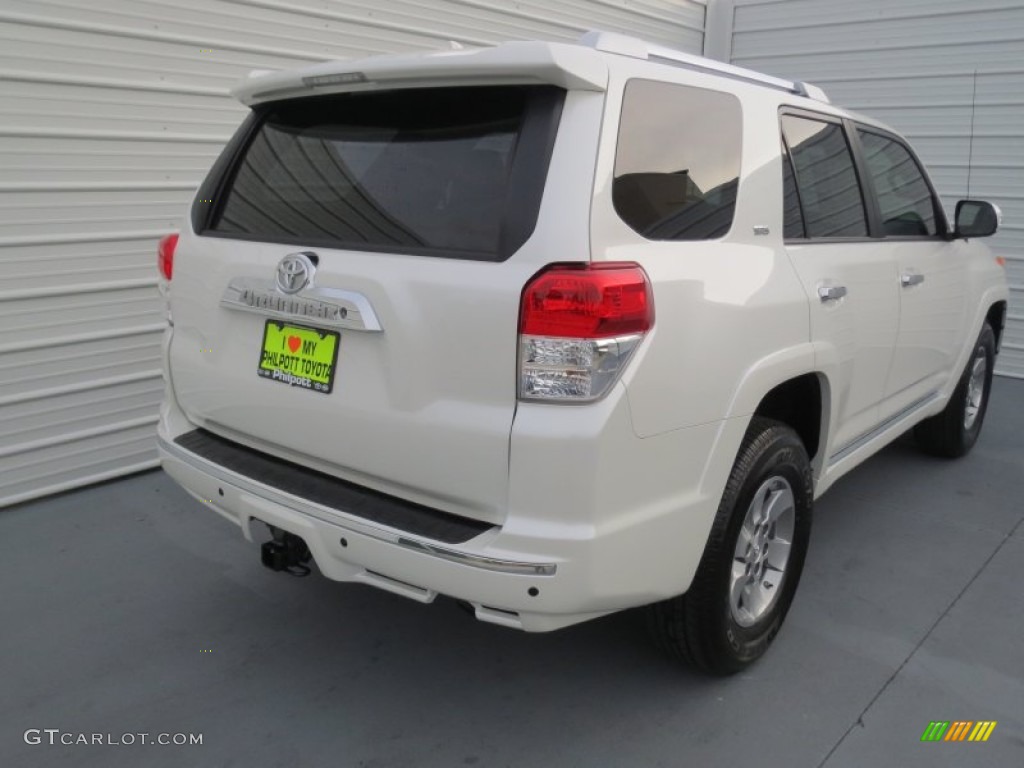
pixel 567 66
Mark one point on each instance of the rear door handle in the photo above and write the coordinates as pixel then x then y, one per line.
pixel 831 292
pixel 908 279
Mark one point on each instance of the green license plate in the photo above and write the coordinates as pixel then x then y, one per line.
pixel 299 356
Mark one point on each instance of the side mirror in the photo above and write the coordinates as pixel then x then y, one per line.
pixel 976 218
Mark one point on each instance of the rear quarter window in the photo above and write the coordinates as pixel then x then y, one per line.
pixel 677 161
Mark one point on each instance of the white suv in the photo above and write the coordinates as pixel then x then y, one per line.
pixel 559 330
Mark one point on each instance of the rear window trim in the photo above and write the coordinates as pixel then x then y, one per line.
pixel 526 184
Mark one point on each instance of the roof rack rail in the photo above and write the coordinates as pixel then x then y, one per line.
pixel 612 42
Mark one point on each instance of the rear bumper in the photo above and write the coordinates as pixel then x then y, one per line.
pixel 186 452
pixel 347 548
pixel 570 558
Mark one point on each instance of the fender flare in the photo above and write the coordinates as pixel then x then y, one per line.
pixel 758 380
pixel 993 295
pixel 769 372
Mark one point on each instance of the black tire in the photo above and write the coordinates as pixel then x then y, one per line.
pixel 700 627
pixel 947 434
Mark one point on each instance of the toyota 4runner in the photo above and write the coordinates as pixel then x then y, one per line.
pixel 559 330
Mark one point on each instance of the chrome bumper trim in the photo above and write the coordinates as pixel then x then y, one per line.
pixel 479 561
pixel 359 526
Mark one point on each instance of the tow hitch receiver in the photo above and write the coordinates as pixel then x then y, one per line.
pixel 285 552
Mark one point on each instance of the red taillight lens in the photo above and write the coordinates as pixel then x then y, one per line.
pixel 165 255
pixel 590 301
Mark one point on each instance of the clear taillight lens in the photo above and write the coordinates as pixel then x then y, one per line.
pixel 578 327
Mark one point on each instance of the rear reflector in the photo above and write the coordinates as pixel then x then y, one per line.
pixel 578 327
pixel 165 255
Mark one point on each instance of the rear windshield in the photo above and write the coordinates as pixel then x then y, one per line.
pixel 443 171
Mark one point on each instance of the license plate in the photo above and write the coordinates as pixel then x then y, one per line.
pixel 299 356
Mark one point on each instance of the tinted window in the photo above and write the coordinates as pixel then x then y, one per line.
pixel 904 197
pixel 826 179
pixel 792 216
pixel 677 163
pixel 442 169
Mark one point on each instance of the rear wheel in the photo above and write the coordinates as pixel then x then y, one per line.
pixel 954 431
pixel 752 563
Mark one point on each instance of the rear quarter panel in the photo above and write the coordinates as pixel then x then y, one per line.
pixel 731 314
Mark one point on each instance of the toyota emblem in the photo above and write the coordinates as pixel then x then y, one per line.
pixel 295 272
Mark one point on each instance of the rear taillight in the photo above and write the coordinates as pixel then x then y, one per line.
pixel 578 327
pixel 165 255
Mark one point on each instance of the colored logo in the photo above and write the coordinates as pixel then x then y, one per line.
pixel 958 730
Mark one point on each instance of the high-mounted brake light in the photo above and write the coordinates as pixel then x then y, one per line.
pixel 165 255
pixel 578 327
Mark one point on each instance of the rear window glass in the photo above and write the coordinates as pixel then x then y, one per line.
pixel 677 163
pixel 444 170
pixel 825 178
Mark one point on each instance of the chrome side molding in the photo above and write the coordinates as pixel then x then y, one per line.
pixel 329 307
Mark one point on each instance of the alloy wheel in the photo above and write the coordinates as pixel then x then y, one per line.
pixel 762 551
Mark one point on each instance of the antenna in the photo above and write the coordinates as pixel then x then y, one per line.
pixel 970 145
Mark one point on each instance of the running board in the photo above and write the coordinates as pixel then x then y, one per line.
pixel 892 421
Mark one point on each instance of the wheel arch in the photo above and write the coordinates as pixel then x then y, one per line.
pixel 789 387
pixel 992 307
pixel 996 317
pixel 801 403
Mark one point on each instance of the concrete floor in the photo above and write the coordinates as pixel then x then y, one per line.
pixel 128 608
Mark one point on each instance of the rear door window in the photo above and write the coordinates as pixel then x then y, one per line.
pixel 677 163
pixel 446 171
pixel 904 197
pixel 829 192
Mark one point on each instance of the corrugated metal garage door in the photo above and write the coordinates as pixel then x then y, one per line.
pixel 911 64
pixel 112 111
